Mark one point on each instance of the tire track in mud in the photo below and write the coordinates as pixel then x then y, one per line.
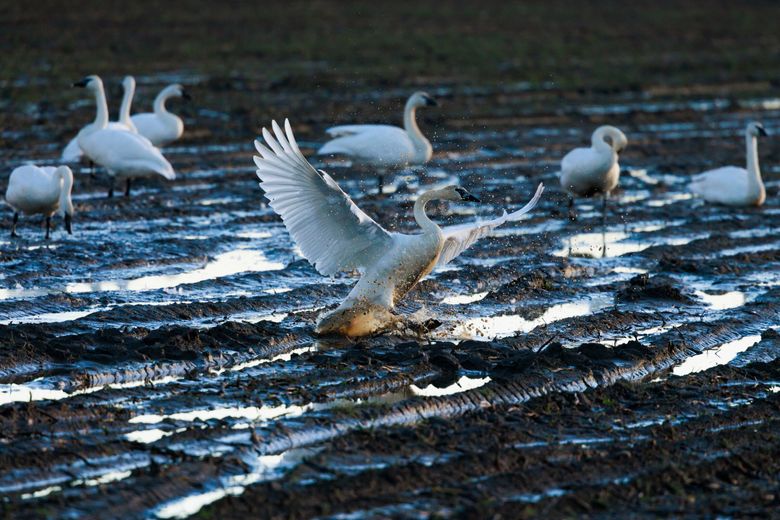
pixel 189 337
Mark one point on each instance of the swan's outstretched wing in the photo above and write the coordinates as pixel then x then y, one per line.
pixel 333 233
pixel 459 238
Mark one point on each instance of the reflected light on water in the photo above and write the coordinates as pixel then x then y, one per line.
pixel 715 356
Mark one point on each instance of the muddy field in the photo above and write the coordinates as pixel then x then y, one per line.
pixel 160 361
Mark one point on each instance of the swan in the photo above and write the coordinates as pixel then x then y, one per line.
pixel 124 154
pixel 384 146
pixel 73 153
pixel 731 185
pixel 335 235
pixel 586 172
pixel 161 127
pixel 41 190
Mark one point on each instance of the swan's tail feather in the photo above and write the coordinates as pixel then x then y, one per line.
pixel 515 215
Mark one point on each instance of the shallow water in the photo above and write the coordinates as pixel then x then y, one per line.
pixel 174 328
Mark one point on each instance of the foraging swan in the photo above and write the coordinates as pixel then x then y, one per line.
pixel 731 185
pixel 384 146
pixel 124 154
pixel 45 190
pixel 586 172
pixel 73 153
pixel 161 127
pixel 335 235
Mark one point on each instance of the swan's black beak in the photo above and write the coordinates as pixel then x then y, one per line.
pixel 82 83
pixel 466 196
pixel 430 102
pixel 68 223
pixel 186 95
pixel 762 131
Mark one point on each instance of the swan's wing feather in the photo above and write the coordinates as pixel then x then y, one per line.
pixel 332 232
pixel 459 238
pixel 120 147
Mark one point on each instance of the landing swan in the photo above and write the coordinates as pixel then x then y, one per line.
pixel 161 127
pixel 384 146
pixel 124 154
pixel 731 185
pixel 335 235
pixel 40 190
pixel 73 153
pixel 586 172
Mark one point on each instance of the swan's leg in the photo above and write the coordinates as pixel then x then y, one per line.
pixel 111 187
pixel 127 187
pixel 48 227
pixel 572 213
pixel 13 226
pixel 92 169
pixel 604 210
pixel 381 183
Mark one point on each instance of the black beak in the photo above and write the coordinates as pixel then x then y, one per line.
pixel 430 102
pixel 468 197
pixel 761 131
pixel 68 223
pixel 82 83
pixel 186 95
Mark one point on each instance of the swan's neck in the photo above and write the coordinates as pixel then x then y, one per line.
pixel 101 117
pixel 159 103
pixel 124 110
pixel 66 186
pixel 754 172
pixel 598 143
pixel 426 224
pixel 422 147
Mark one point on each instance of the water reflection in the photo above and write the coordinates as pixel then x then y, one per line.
pixel 716 356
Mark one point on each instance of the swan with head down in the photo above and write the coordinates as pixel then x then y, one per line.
pixel 335 235
pixel 384 147
pixel 586 172
pixel 731 185
pixel 43 191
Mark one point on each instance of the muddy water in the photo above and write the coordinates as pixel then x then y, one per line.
pixel 164 351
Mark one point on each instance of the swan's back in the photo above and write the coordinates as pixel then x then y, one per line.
pixel 33 189
pixel 125 152
pixel 585 171
pixel 158 130
pixel 73 153
pixel 727 185
pixel 379 145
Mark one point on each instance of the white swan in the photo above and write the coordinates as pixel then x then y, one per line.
pixel 384 146
pixel 731 185
pixel 124 154
pixel 40 190
pixel 586 172
pixel 73 153
pixel 161 127
pixel 335 235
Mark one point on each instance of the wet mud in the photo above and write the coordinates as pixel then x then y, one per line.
pixel 161 361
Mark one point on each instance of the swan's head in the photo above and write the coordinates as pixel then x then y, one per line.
pixel 755 129
pixel 421 99
pixel 92 82
pixel 176 90
pixel 613 136
pixel 457 194
pixel 128 83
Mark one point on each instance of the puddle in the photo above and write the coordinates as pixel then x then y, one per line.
pixel 463 384
pixel 487 328
pixel 715 356
pixel 617 243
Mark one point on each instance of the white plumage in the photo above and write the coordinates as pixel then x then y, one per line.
pixel 124 154
pixel 72 152
pixel 46 190
pixel 161 127
pixel 384 147
pixel 586 172
pixel 335 235
pixel 731 185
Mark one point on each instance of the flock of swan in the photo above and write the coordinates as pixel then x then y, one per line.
pixel 333 234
